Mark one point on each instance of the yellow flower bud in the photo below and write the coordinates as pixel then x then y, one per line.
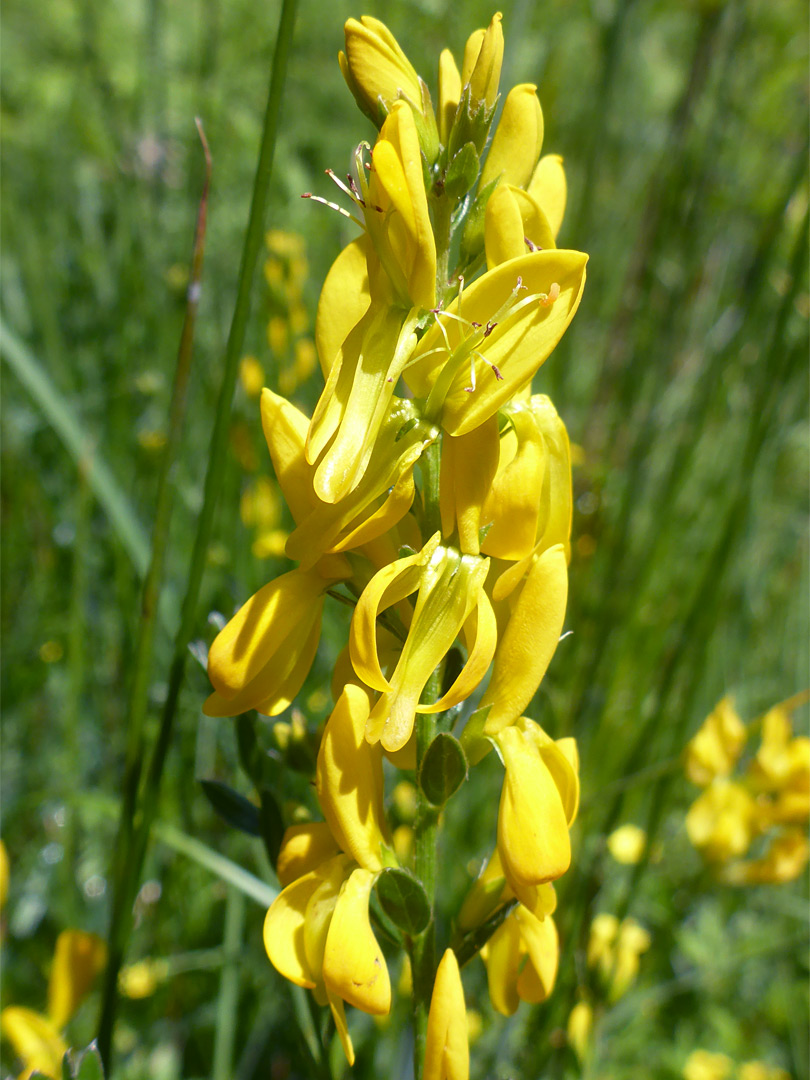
pixel 447 1055
pixel 481 70
pixel 517 141
pixel 376 69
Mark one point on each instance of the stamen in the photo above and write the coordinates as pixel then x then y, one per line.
pixel 547 299
pixel 346 190
pixel 333 206
pixel 530 245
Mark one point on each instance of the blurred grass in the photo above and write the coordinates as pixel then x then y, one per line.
pixel 683 379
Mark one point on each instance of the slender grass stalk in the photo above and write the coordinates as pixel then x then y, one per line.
pixel 213 484
pixel 228 1000
pixel 125 872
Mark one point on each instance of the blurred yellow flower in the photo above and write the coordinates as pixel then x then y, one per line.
pixel 626 844
pixel 579 1028
pixel 722 821
pixel 759 1070
pixel 251 375
pixel 702 1065
pixel 714 749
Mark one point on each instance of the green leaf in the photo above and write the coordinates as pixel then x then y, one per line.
pixel 462 172
pixel 271 824
pixel 232 807
pixel 444 769
pixel 84 1065
pixel 250 755
pixel 404 900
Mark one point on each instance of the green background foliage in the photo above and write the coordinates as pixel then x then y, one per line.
pixel 683 380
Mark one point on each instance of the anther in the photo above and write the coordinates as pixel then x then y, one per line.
pixel 530 245
pixel 547 299
pixel 489 328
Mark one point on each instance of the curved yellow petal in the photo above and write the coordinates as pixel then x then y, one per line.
pixel 35 1040
pixel 468 466
pixel 512 506
pixel 285 429
pixel 349 780
pixel 537 979
pixel 548 187
pixel 529 641
pixel 447 1054
pixel 483 59
pixel 320 909
pixel 449 94
pixel 518 139
pixel 303 849
pixel 376 69
pixel 533 836
pixel 523 308
pixel 513 217
pixel 284 931
pixel 502 955
pixel 339 1016
pixel 554 521
pixel 353 964
pixel 78 958
pixel 344 301
pixel 485 640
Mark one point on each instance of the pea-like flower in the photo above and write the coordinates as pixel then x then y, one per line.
pixel 521 959
pixel 715 748
pixel 447 1053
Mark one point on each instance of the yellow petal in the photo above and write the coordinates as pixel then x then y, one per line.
pixel 532 828
pixel 548 187
pixel 303 848
pixel 349 780
pixel 562 761
pixel 516 342
pixel 320 909
pixel 353 964
pixel 554 520
pixel 376 69
pixel 512 217
pixel 502 955
pixel 485 639
pixel 344 301
pixel 722 821
pixel 284 930
pixel 78 958
pixel 512 505
pixel 35 1040
pixel 536 981
pixel 449 94
pixel 483 59
pixel 485 896
pixel 285 429
pixel 447 1055
pixel 518 139
pixel 529 641
pixel 339 1016
pixel 468 467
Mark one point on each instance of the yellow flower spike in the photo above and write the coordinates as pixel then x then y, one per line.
pixel 261 658
pixel 715 748
pixel 376 69
pixel 483 59
pixel 511 218
pixel 447 1054
pixel 78 958
pixel 450 587
pixel 533 836
pixel 349 781
pixel 345 299
pixel 468 467
pixel 529 640
pixel 36 1041
pixel 785 860
pixel 722 821
pixel 502 956
pixel 548 187
pixel 517 141
pixel 523 308
pixel 303 849
pixel 512 505
pixel 449 94
pixel 536 981
pixel 354 967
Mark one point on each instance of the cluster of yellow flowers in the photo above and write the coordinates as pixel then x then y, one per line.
pixel 704 1065
pixel 770 798
pixel 453 569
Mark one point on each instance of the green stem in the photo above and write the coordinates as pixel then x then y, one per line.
pixel 423 947
pixel 228 1001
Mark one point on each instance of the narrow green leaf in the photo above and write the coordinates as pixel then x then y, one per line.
pixel 462 172
pixel 232 807
pixel 444 769
pixel 404 900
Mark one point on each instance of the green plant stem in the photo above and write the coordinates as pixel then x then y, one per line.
pixel 423 947
pixel 228 1001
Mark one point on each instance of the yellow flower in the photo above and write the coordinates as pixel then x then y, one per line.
pixel 539 801
pixel 510 978
pixel 78 958
pixel 481 68
pixel 449 94
pixel 468 467
pixel 715 748
pixel 517 141
pixel 722 822
pixel 784 861
pixel 141 979
pixel 602 935
pixel 760 1070
pixel 251 375
pixel 447 1054
pixel 511 218
pixel 701 1065
pixel 633 940
pixel 626 844
pixel 579 1028
pixel 782 766
pixel 450 593
pixel 510 321
pixel 318 935
pixel 261 658
pixel 376 69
